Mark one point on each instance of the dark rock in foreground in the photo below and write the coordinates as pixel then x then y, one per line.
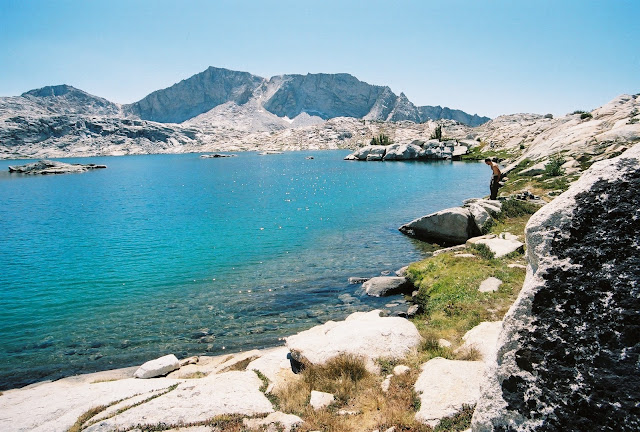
pixel 568 354
pixel 52 167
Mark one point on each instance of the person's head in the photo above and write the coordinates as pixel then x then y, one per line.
pixel 487 161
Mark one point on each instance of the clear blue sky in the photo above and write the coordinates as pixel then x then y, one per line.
pixel 486 57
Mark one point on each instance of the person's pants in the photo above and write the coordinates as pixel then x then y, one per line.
pixel 494 186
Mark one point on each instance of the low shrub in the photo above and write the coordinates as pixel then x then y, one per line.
pixel 484 251
pixel 586 115
pixel 460 421
pixel 513 208
pixel 437 134
pixel 554 167
pixel 381 139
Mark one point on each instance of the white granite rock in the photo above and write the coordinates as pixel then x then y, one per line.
pixel 288 421
pixel 386 383
pixel 275 365
pixel 453 225
pixel 490 284
pixel 55 406
pixel 444 386
pixel 382 286
pixel 196 400
pixel 364 334
pixel 444 343
pixel 320 399
pixel 484 338
pixel 158 367
pixel 480 215
pixel 492 206
pixel 402 152
pixel 401 370
pixel 500 247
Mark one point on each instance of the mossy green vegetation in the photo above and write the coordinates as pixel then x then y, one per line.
pixel 480 152
pixel 458 422
pixel 554 167
pixel 448 292
pixel 381 139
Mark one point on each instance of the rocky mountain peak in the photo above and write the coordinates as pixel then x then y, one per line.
pixel 196 95
pixel 52 91
pixel 66 99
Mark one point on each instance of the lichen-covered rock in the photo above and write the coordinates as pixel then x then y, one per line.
pixel 568 353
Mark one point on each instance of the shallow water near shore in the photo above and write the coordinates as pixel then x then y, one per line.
pixel 163 254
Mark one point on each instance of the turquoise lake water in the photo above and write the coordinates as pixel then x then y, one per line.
pixel 162 254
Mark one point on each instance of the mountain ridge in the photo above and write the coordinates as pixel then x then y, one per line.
pixel 319 94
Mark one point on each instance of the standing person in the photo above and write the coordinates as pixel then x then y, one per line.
pixel 495 178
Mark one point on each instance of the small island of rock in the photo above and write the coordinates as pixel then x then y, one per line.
pixel 52 167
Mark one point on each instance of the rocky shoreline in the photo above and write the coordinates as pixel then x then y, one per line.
pixel 563 358
pixel 562 367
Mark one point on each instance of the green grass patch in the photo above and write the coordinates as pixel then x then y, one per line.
pixel 460 421
pixel 513 208
pixel 448 291
pixel 484 251
pixel 479 153
pixel 195 375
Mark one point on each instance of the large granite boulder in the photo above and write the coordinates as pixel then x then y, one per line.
pixel 450 226
pixel 364 152
pixel 382 286
pixel 367 335
pixel 403 152
pixel 158 367
pixel 568 353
